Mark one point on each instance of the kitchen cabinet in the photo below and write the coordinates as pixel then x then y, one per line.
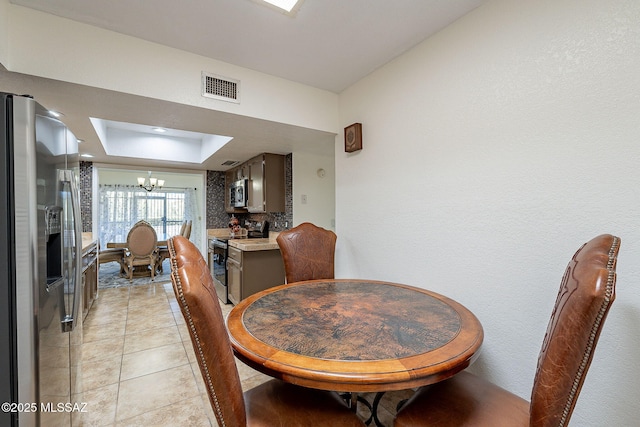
pixel 249 272
pixel 266 178
pixel 266 184
pixel 89 277
pixel 240 172
pixel 234 275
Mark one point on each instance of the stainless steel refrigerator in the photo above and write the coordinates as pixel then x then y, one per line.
pixel 40 266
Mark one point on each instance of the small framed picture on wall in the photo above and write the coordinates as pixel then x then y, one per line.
pixel 353 138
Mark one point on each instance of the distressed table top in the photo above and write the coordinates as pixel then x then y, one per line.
pixel 354 335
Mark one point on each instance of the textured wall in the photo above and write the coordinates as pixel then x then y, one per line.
pixel 492 151
pixel 319 206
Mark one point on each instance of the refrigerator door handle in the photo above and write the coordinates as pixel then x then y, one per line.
pixel 54 283
pixel 69 322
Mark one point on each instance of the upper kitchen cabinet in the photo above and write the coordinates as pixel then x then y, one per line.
pixel 241 172
pixel 265 184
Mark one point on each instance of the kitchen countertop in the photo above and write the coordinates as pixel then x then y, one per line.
pixel 88 242
pixel 217 232
pixel 246 244
pixel 242 244
pixel 254 244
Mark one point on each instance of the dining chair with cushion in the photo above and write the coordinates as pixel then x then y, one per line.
pixel 274 403
pixel 106 255
pixel 308 252
pixel 186 231
pixel 163 251
pixel 586 293
pixel 141 250
pixel 183 227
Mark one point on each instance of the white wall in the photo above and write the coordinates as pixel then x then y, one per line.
pixel 319 208
pixel 4 31
pixel 122 63
pixel 492 151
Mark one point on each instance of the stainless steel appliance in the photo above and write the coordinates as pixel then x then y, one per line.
pixel 218 252
pixel 257 229
pixel 238 193
pixel 40 272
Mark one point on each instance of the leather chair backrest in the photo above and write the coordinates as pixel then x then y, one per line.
pixel 308 252
pixel 142 239
pixel 586 293
pixel 193 286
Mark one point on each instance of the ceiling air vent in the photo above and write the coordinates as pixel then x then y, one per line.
pixel 230 163
pixel 221 88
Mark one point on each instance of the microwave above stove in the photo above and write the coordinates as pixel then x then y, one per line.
pixel 238 194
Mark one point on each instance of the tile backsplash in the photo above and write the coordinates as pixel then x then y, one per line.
pixel 218 218
pixel 86 196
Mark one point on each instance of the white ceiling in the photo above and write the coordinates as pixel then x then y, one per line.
pixel 328 44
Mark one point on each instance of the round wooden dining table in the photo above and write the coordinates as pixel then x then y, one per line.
pixel 354 335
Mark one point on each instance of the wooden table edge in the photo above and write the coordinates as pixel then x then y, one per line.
pixel 404 376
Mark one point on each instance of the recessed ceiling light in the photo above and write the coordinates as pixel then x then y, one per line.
pixel 86 155
pixel 160 130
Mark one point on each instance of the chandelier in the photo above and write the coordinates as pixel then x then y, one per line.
pixel 149 183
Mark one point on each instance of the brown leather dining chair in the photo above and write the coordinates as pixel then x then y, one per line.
pixel 586 293
pixel 141 250
pixel 308 252
pixel 274 403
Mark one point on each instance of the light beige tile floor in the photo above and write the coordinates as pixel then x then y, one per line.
pixel 139 368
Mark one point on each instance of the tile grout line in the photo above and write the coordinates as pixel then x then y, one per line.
pixel 124 339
